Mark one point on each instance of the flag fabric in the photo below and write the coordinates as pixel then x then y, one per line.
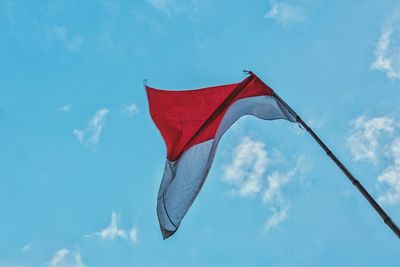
pixel 192 122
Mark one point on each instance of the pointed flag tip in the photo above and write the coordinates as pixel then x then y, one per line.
pixel 166 233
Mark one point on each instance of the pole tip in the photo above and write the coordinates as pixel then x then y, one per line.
pixel 248 72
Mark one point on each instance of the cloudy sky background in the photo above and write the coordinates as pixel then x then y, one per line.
pixel 81 160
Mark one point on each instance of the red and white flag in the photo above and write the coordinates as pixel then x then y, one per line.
pixel 192 123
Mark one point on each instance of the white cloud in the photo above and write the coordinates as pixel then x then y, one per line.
pixel 246 174
pixel 317 122
pixel 65 258
pixel 112 231
pixel 9 7
pixel 391 176
pixel 247 167
pixel 387 52
pixel 365 136
pixel 163 6
pixel 286 14
pixel 61 34
pixel 273 12
pixel 7 264
pixel 131 110
pixel 96 125
pixel 91 135
pixel 273 197
pixel 374 139
pixel 275 182
pixel 26 248
pixel 170 7
pixel 66 108
pixel 80 135
pixel 278 215
pixel 148 21
pixel 133 235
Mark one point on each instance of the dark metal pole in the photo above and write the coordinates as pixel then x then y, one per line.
pixel 343 168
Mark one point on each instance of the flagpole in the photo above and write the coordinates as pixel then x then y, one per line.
pixel 338 163
pixel 343 168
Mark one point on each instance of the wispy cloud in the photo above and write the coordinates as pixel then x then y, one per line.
pixel 79 134
pixel 387 52
pixel 246 173
pixel 278 215
pixel 365 136
pixel 249 161
pixel 61 34
pixel 170 7
pixel 26 248
pixel 8 264
pixel 275 182
pixel 112 231
pixel 133 235
pixel 91 135
pixel 317 121
pixel 286 14
pixel 9 7
pixel 96 125
pixel 273 197
pixel 163 6
pixel 113 6
pixel 391 176
pixel 66 108
pixel 131 110
pixel 148 21
pixel 377 138
pixel 66 258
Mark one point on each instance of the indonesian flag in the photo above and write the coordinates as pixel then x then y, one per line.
pixel 192 122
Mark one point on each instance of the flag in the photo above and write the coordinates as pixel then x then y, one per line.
pixel 192 122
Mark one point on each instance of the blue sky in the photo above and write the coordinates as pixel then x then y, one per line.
pixel 81 160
